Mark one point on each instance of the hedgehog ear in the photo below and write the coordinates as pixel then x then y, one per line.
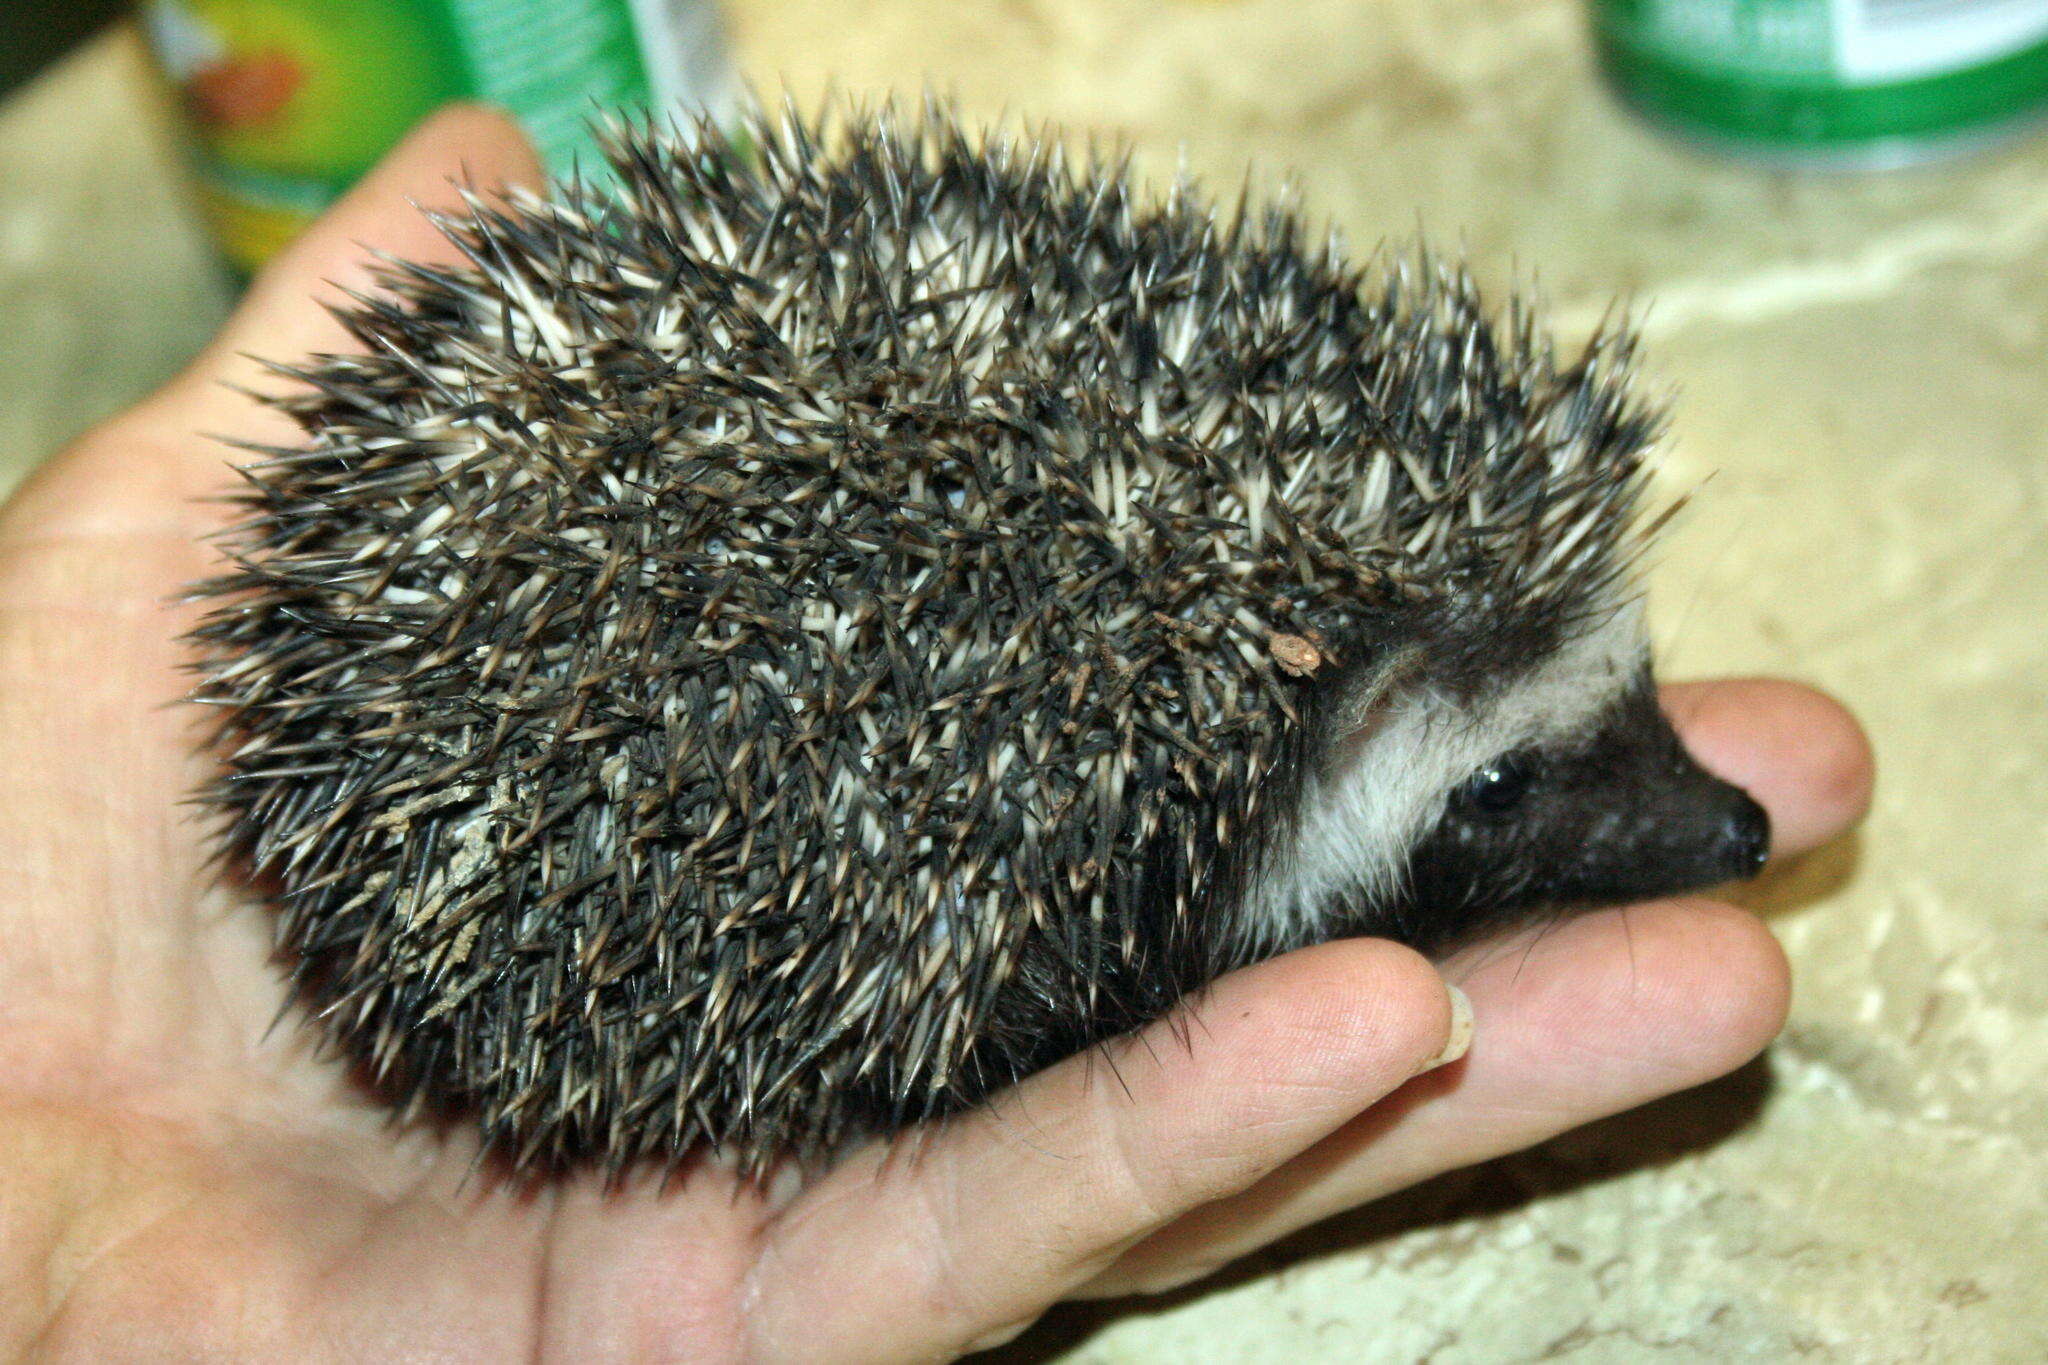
pixel 1369 695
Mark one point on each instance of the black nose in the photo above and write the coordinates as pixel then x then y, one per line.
pixel 1746 839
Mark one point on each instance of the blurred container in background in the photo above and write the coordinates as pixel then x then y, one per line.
pixel 291 100
pixel 1830 82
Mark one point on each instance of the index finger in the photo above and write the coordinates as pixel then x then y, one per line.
pixel 462 146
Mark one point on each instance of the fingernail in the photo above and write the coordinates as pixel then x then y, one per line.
pixel 1460 1040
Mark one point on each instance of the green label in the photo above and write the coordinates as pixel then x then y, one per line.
pixel 1792 37
pixel 291 100
pixel 553 65
pixel 1828 74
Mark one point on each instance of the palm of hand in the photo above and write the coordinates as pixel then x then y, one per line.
pixel 178 1178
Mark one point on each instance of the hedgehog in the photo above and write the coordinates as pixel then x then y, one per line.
pixel 831 617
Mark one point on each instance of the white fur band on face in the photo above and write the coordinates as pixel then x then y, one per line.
pixel 1359 823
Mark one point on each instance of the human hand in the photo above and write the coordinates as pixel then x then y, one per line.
pixel 178 1180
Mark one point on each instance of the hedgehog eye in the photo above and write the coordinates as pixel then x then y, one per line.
pixel 1499 786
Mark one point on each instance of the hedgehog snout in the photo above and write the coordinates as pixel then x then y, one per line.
pixel 1745 837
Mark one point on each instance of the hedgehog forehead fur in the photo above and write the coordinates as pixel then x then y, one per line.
pixel 780 646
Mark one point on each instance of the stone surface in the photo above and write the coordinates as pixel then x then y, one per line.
pixel 1860 364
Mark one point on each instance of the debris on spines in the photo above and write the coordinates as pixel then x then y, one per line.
pixel 788 646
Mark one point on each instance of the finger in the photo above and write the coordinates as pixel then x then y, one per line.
pixel 964 1241
pixel 158 455
pixel 463 146
pixel 1606 1012
pixel 1797 751
pixel 141 472
pixel 145 468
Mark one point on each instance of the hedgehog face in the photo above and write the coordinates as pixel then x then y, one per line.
pixel 1614 812
pixel 1444 811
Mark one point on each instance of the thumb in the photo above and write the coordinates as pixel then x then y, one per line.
pixel 147 467
pixel 463 146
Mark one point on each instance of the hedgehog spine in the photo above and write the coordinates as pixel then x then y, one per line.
pixel 780 653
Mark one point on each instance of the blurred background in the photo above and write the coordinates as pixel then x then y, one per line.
pixel 1858 362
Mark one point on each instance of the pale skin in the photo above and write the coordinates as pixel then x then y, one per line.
pixel 179 1181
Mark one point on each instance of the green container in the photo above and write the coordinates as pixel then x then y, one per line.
pixel 1855 82
pixel 291 100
